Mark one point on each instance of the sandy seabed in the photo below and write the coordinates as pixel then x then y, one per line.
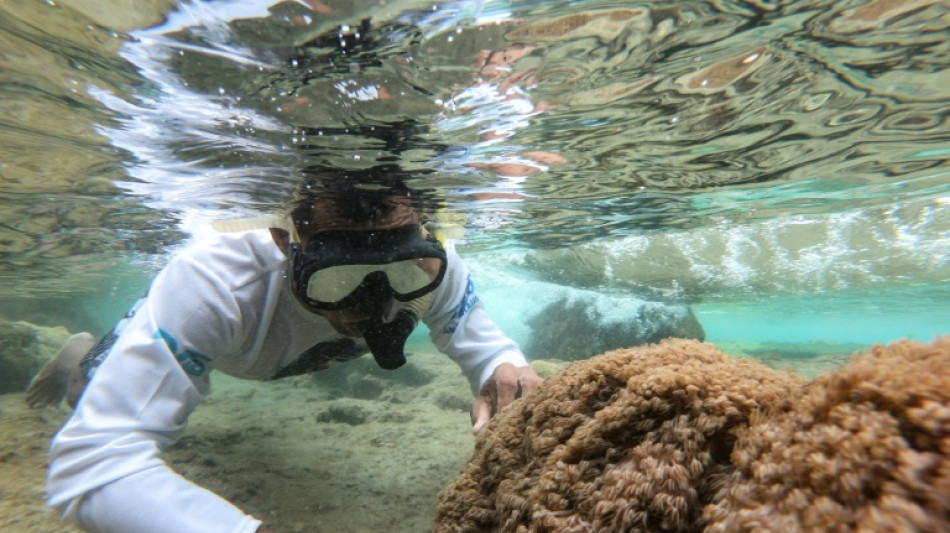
pixel 353 449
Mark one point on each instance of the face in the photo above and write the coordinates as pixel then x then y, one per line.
pixel 350 322
pixel 353 321
pixel 346 322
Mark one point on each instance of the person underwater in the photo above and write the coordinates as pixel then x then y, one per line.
pixel 350 271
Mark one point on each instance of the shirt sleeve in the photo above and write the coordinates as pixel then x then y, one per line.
pixel 105 472
pixel 461 328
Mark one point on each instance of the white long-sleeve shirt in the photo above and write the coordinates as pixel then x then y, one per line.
pixel 222 305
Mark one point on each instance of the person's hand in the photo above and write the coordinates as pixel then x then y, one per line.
pixel 506 383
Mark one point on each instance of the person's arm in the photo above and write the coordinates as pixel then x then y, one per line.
pixel 461 328
pixel 105 470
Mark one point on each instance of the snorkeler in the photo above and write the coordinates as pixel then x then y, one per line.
pixel 350 271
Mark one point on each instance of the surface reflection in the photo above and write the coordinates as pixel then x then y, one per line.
pixel 537 123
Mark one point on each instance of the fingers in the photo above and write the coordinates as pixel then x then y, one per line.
pixel 481 413
pixel 513 383
pixel 507 384
pixel 528 381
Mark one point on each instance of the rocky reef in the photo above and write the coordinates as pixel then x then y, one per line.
pixel 679 436
pixel 582 324
pixel 25 349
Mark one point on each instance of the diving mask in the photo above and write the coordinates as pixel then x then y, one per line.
pixel 364 270
pixel 341 269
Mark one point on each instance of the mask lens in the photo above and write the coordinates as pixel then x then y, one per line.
pixel 333 284
pixel 406 277
pixel 330 285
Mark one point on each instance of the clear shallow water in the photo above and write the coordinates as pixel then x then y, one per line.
pixel 779 167
pixel 851 317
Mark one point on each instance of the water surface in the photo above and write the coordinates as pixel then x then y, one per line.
pixel 777 165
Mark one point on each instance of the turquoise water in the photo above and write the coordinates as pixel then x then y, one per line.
pixel 855 317
pixel 780 169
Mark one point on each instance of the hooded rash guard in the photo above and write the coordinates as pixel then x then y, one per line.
pixel 222 305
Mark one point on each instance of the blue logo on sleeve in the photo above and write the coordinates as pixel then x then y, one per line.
pixel 190 360
pixel 468 300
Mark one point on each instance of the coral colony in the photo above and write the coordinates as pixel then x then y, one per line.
pixel 679 436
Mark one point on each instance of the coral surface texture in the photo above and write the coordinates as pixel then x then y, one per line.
pixel 678 436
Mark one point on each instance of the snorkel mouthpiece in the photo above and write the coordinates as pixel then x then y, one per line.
pixel 387 340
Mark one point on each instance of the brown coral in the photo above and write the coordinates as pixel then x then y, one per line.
pixel 681 437
pixel 632 440
pixel 867 448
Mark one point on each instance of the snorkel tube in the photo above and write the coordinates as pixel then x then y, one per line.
pixel 387 340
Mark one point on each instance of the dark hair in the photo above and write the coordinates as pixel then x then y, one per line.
pixel 354 195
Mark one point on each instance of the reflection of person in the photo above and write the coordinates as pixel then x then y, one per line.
pixel 347 274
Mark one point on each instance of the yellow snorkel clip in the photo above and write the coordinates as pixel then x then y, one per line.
pixel 446 227
pixel 237 225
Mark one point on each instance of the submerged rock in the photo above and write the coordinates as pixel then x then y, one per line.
pixel 352 412
pixel 363 378
pixel 583 324
pixel 25 349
